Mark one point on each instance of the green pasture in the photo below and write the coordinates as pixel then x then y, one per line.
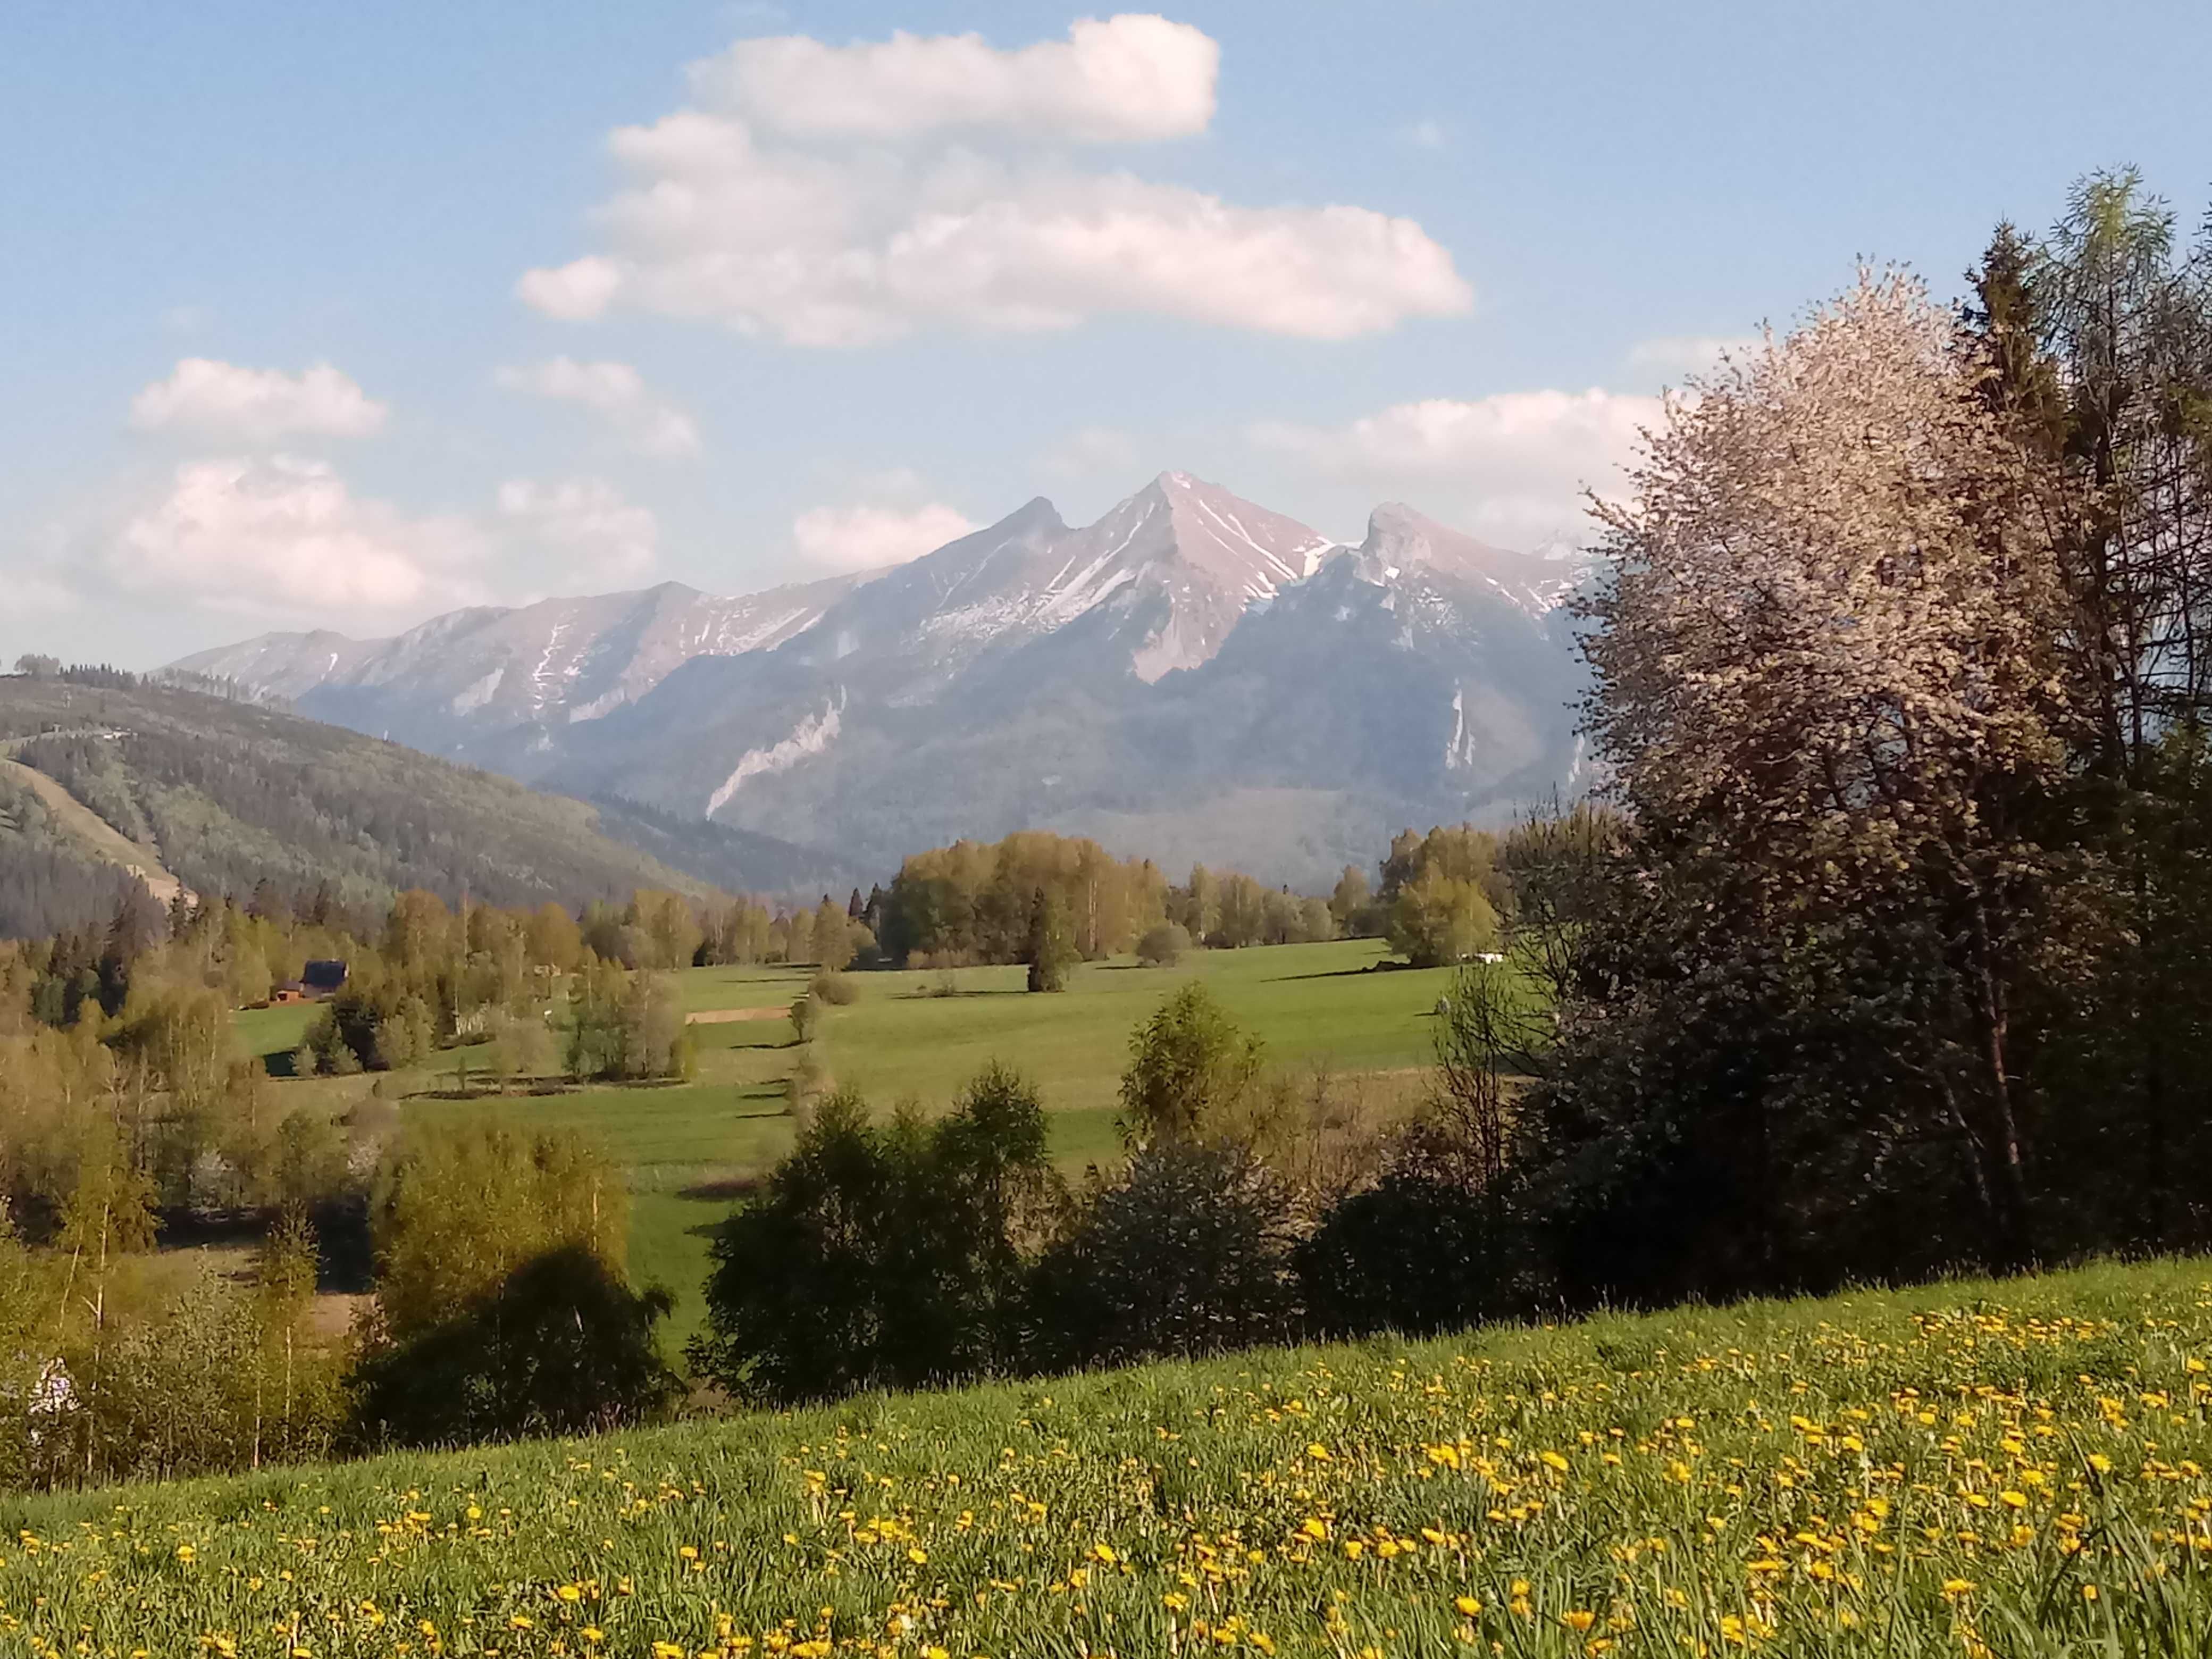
pixel 690 1149
pixel 1993 1469
pixel 1310 1004
pixel 272 1032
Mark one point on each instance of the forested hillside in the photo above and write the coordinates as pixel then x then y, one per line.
pixel 229 795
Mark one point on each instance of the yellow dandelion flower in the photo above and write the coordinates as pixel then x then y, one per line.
pixel 1467 1606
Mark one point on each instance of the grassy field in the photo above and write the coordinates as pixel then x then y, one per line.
pixel 689 1150
pixel 1986 1469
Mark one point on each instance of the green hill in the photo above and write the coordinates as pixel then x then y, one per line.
pixel 222 795
pixel 2013 1468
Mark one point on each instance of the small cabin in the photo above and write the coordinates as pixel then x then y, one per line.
pixel 322 979
pixel 290 991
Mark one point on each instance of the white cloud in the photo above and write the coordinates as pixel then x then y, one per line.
pixel 1126 78
pixel 615 391
pixel 819 238
pixel 575 291
pixel 1092 451
pixel 285 539
pixel 210 397
pixel 1511 468
pixel 31 593
pixel 870 538
pixel 606 537
pixel 1689 354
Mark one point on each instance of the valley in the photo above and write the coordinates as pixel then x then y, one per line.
pixel 689 1151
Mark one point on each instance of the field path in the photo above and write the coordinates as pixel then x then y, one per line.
pixel 96 835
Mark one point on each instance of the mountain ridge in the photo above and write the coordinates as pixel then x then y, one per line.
pixel 1185 650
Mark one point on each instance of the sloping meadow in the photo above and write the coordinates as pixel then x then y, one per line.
pixel 2005 1468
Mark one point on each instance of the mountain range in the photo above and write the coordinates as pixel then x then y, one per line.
pixel 1192 678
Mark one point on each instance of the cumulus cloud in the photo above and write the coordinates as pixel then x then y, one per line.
pixel 213 398
pixel 604 537
pixel 858 219
pixel 617 393
pixel 869 537
pixel 1689 354
pixel 1127 77
pixel 1511 468
pixel 284 538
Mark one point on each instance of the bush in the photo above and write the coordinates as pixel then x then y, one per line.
pixel 883 1255
pixel 808 1082
pixel 805 1014
pixel 838 990
pixel 562 1345
pixel 1190 1065
pixel 1422 1250
pixel 1163 945
pixel 1188 1253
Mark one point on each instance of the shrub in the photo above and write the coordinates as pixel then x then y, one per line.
pixel 1189 1065
pixel 1423 1249
pixel 1188 1253
pixel 1163 945
pixel 808 1082
pixel 805 1014
pixel 836 989
pixel 561 1345
pixel 883 1255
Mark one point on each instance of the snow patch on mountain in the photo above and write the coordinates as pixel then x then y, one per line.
pixel 480 693
pixel 811 736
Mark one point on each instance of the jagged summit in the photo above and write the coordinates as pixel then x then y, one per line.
pixel 1190 676
pixel 1400 539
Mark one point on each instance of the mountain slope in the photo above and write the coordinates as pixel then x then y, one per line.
pixel 489 683
pixel 226 794
pixel 1192 676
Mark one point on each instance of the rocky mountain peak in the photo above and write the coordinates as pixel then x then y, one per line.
pixel 1401 541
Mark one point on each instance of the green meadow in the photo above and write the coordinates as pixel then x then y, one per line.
pixel 1988 1470
pixel 691 1149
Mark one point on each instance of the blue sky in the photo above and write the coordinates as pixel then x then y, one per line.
pixel 866 293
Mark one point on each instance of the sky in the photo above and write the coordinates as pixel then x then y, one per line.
pixel 327 315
